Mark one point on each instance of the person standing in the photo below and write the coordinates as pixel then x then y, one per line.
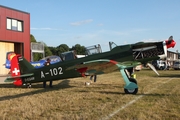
pixel 48 62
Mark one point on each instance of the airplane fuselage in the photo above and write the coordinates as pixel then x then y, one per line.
pixel 125 53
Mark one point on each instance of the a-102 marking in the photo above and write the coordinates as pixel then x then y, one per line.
pixel 52 72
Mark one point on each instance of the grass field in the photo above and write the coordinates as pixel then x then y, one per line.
pixel 158 98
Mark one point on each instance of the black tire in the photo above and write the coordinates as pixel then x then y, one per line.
pixel 131 91
pixel 161 68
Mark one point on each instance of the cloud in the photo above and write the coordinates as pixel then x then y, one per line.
pixel 100 24
pixel 137 30
pixel 113 32
pixel 78 23
pixel 78 37
pixel 45 29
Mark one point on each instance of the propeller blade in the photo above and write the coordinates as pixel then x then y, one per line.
pixel 153 68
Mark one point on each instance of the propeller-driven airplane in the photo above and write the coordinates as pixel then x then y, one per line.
pixel 118 58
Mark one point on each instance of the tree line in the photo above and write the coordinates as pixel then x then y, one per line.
pixel 80 50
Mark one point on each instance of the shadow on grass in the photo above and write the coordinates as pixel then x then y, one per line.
pixel 143 94
pixel 102 92
pixel 106 92
pixel 158 95
pixel 62 85
pixel 170 75
pixel 123 93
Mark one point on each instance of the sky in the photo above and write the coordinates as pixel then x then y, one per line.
pixel 91 22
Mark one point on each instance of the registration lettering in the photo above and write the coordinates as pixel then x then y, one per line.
pixel 29 79
pixel 42 74
pixel 52 72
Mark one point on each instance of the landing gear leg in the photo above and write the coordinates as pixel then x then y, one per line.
pixel 95 77
pixel 131 84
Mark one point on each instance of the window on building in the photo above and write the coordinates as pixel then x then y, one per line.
pixel 9 23
pixel 13 24
pixel 19 25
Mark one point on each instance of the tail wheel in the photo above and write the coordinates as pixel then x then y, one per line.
pixel 131 91
pixel 29 86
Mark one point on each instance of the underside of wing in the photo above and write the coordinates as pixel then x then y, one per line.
pixel 102 66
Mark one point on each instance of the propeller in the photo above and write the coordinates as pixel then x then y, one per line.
pixel 170 43
pixel 153 68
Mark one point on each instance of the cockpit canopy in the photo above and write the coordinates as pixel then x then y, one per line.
pixel 94 49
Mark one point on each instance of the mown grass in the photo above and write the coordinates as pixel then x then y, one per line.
pixel 158 98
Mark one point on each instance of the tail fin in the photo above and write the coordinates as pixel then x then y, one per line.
pixel 19 66
pixel 22 63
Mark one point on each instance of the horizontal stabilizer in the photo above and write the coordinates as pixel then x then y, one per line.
pixel 11 79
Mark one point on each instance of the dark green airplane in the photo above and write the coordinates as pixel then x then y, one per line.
pixel 119 57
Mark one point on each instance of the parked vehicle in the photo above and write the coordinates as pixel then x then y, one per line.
pixel 138 68
pixel 176 65
pixel 159 64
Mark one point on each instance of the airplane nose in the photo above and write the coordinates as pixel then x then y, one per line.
pixel 170 43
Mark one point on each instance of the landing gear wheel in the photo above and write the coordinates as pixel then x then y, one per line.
pixel 131 91
pixel 29 86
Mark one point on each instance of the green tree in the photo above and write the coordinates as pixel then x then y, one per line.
pixel 80 50
pixel 53 50
pixel 47 50
pixel 61 48
pixel 32 38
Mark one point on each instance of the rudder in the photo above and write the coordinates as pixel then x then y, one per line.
pixel 19 66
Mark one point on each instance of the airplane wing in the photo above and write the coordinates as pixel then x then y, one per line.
pixel 11 79
pixel 102 66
